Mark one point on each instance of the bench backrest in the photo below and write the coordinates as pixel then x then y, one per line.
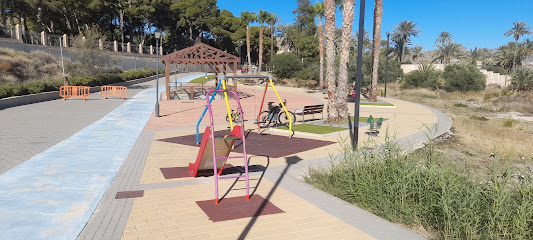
pixel 313 108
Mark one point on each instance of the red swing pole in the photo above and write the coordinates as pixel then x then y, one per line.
pixel 261 108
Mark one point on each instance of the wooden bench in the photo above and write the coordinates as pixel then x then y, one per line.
pixel 74 91
pixel 310 110
pixel 118 91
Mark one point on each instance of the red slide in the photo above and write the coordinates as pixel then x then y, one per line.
pixel 223 146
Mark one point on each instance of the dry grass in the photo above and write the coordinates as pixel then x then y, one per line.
pixel 21 67
pixel 478 133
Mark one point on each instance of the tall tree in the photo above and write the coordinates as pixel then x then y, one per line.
pixel 329 13
pixel 247 18
pixel 341 96
pixel 447 52
pixel 262 18
pixel 477 54
pixel 403 33
pixel 444 38
pixel 417 52
pixel 519 29
pixel 273 21
pixel 378 14
pixel 319 13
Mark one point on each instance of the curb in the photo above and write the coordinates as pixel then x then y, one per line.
pixel 16 101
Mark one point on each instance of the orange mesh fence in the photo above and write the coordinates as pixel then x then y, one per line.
pixel 117 91
pixel 74 91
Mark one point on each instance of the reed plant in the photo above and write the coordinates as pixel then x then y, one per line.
pixel 430 189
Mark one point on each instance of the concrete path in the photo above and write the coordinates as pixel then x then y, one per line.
pixel 53 194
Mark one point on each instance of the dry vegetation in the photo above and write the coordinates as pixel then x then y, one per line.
pixel 21 67
pixel 478 132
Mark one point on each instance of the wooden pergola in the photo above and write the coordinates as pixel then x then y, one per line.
pixel 198 54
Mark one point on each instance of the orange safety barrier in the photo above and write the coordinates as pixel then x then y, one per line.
pixel 118 91
pixel 74 91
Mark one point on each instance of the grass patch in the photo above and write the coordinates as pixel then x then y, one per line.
pixel 364 119
pixel 460 105
pixel 427 188
pixel 376 104
pixel 479 118
pixel 508 123
pixel 317 129
pixel 203 79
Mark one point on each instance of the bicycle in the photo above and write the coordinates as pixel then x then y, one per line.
pixel 235 116
pixel 275 115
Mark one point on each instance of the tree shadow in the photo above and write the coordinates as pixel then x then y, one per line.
pixel 290 161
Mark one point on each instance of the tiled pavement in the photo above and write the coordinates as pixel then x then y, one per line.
pixel 168 208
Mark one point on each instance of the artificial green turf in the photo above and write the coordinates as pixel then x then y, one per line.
pixel 364 119
pixel 318 129
pixel 203 79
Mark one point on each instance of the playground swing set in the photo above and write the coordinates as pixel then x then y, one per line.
pixel 218 148
pixel 213 147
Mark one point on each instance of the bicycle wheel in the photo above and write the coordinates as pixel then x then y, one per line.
pixel 284 119
pixel 236 118
pixel 263 120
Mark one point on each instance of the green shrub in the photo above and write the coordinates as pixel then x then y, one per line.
pixel 522 79
pixel 8 90
pixel 310 72
pixel 508 123
pixel 285 65
pixel 426 76
pixel 460 105
pixel 464 78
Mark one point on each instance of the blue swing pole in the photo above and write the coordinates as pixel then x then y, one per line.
pixel 205 110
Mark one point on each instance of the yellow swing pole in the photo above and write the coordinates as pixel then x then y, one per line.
pixel 283 105
pixel 227 103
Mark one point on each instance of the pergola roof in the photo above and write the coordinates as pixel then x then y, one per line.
pixel 200 54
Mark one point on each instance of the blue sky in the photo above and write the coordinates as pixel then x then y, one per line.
pixel 473 23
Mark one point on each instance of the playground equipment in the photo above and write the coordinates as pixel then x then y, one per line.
pixel 269 81
pixel 221 82
pixel 220 147
pixel 374 127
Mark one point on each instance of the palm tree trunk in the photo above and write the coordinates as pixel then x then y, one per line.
pixel 321 51
pixel 248 49
pixel 260 49
pixel 514 55
pixel 329 8
pixel 341 97
pixel 378 14
pixel 272 42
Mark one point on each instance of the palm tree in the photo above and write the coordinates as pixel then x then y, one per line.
pixel 443 38
pixel 417 52
pixel 509 54
pixel 403 33
pixel 273 21
pixel 447 52
pixel 263 17
pixel 378 14
pixel 329 16
pixel 341 97
pixel 519 29
pixel 247 18
pixel 319 13
pixel 477 54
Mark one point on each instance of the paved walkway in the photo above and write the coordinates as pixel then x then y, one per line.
pixel 59 193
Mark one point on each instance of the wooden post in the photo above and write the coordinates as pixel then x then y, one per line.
pixel 167 78
pixel 191 93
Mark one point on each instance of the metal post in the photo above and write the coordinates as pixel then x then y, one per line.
pixel 157 79
pixel 355 139
pixel 387 64
pixel 61 51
